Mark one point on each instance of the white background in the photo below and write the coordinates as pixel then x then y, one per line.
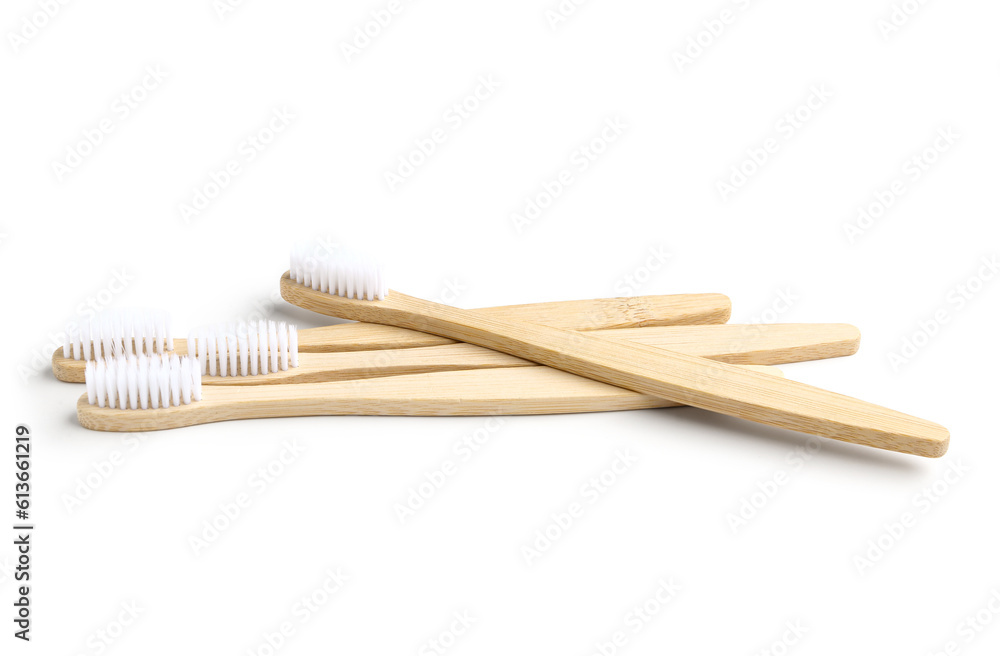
pixel 448 225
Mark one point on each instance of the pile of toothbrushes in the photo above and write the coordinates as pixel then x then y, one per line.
pixel 406 356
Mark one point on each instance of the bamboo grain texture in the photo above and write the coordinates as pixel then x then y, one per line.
pixel 512 391
pixel 674 376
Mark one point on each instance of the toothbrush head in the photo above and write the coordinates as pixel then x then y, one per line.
pixel 246 348
pixel 338 270
pixel 114 333
pixel 142 381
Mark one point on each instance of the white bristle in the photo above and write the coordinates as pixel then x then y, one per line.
pixel 195 387
pixel 243 346
pixel 160 335
pixel 209 347
pixel 253 347
pixel 262 346
pixel 272 344
pixel 111 385
pixel 223 351
pixel 143 381
pixel 121 378
pixel 148 331
pixel 89 378
pixel 247 348
pixel 175 379
pixel 187 379
pixel 283 345
pixel 198 344
pixel 234 351
pixel 106 329
pixel 128 328
pixel 154 383
pixel 293 346
pixel 133 383
pixel 100 371
pixel 337 271
pixel 164 382
pixel 76 347
pixel 117 333
pixel 86 341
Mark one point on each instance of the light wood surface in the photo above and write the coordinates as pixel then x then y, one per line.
pixel 514 391
pixel 735 343
pixel 675 376
pixel 593 314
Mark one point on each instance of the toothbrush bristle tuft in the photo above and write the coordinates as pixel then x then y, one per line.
pixel 134 381
pixel 117 333
pixel 338 271
pixel 247 348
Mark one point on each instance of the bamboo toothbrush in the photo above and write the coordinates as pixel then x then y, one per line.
pixel 229 354
pixel 118 332
pixel 225 355
pixel 352 286
pixel 143 393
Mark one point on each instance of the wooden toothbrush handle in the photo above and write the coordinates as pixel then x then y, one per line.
pixel 593 314
pixel 670 375
pixel 622 312
pixel 517 391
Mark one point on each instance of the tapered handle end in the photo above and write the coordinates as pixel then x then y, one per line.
pixel 935 442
